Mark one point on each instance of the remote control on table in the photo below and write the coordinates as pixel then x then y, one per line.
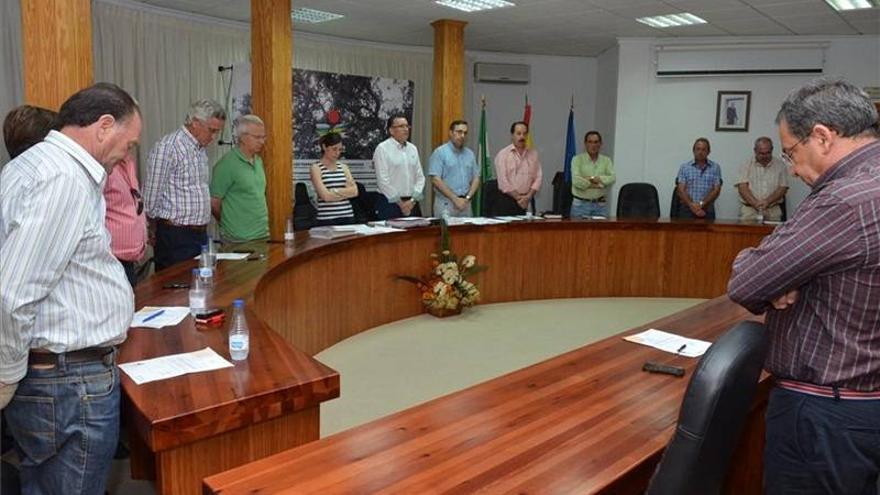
pixel 652 367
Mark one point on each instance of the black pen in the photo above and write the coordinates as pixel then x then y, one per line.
pixel 681 348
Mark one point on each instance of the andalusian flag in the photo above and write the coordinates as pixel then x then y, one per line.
pixel 527 118
pixel 485 165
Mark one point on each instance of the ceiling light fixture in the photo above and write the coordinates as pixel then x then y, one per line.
pixel 312 16
pixel 475 5
pixel 671 20
pixel 840 5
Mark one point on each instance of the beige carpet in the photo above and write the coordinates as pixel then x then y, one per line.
pixel 396 366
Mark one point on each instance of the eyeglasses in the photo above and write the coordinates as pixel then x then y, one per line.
pixel 136 195
pixel 786 152
pixel 400 126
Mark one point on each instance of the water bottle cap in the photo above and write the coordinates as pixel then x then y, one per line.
pixel 195 271
pixel 238 303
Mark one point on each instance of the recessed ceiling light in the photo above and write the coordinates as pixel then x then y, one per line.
pixel 312 16
pixel 852 4
pixel 475 5
pixel 671 20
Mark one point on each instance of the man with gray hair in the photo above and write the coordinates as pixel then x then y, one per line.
pixel 762 184
pixel 238 185
pixel 176 194
pixel 817 278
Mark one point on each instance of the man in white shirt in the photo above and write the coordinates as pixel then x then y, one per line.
pixel 66 302
pixel 399 174
pixel 762 184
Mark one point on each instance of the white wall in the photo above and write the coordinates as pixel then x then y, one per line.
pixel 658 118
pixel 553 82
pixel 606 97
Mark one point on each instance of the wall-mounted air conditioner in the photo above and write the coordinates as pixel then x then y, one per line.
pixel 739 59
pixel 502 73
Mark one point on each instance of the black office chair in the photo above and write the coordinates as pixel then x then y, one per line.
pixel 675 206
pixel 638 200
pixel 782 207
pixel 304 212
pixel 713 412
pixel 364 205
pixel 491 198
pixel 562 196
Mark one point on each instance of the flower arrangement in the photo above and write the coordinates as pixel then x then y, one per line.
pixel 445 291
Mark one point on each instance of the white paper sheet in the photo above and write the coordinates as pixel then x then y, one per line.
pixel 228 256
pixel 669 342
pixel 170 315
pixel 160 368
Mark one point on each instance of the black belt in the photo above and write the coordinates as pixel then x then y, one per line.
pixel 197 228
pixel 40 357
pixel 597 200
pixel 405 198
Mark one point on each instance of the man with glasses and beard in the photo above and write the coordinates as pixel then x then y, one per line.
pixel 399 174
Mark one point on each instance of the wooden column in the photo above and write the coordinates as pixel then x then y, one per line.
pixel 57 43
pixel 448 102
pixel 271 92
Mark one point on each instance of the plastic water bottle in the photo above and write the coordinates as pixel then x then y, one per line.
pixel 760 216
pixel 198 296
pixel 206 268
pixel 288 232
pixel 212 253
pixel 445 214
pixel 239 335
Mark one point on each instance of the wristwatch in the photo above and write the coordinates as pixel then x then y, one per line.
pixel 467 197
pixel 701 204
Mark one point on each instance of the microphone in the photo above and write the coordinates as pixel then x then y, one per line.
pixel 224 68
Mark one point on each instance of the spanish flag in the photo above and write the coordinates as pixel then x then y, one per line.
pixel 527 117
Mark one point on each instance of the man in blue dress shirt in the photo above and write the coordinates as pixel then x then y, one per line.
pixel 698 183
pixel 454 173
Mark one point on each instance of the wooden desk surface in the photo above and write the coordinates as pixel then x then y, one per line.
pixel 588 421
pixel 291 320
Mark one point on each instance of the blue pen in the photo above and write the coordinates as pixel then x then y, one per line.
pixel 154 315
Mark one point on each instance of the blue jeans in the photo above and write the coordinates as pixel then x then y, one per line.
pixel 65 421
pixel 586 209
pixel 818 445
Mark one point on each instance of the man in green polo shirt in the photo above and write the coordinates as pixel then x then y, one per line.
pixel 591 174
pixel 238 187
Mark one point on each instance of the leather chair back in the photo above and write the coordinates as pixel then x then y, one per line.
pixel 638 200
pixel 304 212
pixel 713 412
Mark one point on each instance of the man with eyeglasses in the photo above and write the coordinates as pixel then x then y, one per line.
pixel 399 174
pixel 762 184
pixel 176 192
pixel 454 173
pixel 238 185
pixel 817 279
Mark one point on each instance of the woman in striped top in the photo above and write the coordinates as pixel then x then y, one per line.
pixel 333 183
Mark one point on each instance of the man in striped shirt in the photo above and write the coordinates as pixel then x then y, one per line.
pixel 65 301
pixel 176 193
pixel 817 277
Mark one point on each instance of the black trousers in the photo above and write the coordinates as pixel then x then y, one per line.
pixel 176 244
pixel 130 271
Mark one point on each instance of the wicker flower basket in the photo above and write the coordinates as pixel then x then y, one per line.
pixel 443 312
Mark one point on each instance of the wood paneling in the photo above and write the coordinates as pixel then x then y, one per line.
pixel 57 44
pixel 588 421
pixel 271 84
pixel 538 260
pixel 448 99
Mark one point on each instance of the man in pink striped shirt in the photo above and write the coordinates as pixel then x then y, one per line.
pixel 518 171
pixel 125 216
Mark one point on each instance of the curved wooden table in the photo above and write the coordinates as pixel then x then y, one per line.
pixel 307 298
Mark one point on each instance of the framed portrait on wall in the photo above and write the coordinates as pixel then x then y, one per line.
pixel 732 111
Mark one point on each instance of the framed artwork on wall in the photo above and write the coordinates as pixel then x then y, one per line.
pixel 732 111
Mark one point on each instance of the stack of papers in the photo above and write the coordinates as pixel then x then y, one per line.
pixel 159 316
pixel 160 368
pixel 365 229
pixel 228 256
pixel 332 231
pixel 670 342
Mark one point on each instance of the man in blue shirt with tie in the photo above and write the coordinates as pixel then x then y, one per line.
pixel 454 173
